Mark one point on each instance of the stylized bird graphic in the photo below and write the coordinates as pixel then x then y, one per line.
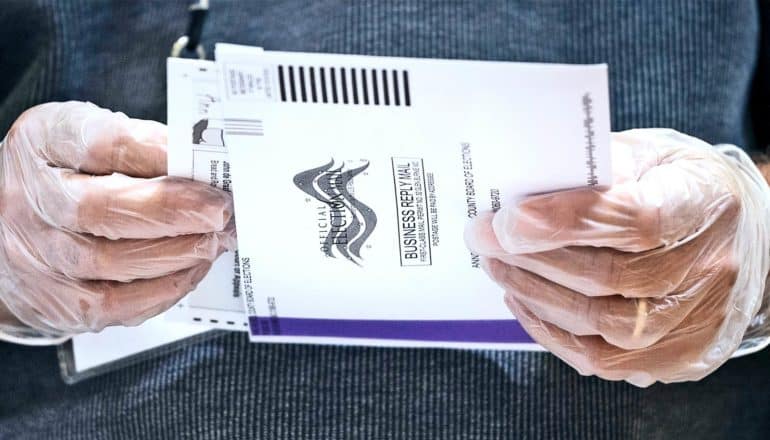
pixel 329 186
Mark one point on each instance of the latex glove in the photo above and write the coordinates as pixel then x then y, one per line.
pixel 93 234
pixel 654 279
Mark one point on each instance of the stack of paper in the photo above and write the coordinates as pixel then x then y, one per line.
pixel 354 176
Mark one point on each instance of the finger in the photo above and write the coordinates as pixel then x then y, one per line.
pixel 586 354
pixel 86 257
pixel 117 206
pixel 686 353
pixel 605 271
pixel 75 306
pixel 630 159
pixel 133 303
pixel 83 137
pixel 229 236
pixel 589 355
pixel 668 203
pixel 622 322
pixel 480 237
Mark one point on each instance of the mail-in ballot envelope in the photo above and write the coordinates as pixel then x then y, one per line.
pixel 354 177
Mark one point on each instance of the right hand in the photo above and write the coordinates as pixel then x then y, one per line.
pixel 93 231
pixel 654 279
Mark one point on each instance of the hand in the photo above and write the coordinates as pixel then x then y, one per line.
pixel 93 233
pixel 654 279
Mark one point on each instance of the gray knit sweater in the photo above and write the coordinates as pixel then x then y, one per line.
pixel 695 65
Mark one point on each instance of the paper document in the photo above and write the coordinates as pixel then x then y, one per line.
pixel 197 151
pixel 354 177
pixel 114 343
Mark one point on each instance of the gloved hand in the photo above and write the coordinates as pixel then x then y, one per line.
pixel 653 279
pixel 93 233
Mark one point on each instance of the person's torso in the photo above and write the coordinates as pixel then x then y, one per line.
pixel 686 64
pixel 681 64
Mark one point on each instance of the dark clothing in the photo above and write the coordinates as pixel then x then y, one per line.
pixel 686 64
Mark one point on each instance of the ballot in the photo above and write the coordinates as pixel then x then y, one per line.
pixel 195 148
pixel 354 177
pixel 197 151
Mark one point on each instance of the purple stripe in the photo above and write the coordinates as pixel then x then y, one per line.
pixel 500 330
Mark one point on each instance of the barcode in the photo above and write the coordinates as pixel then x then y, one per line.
pixel 344 85
pixel 590 146
pixel 243 127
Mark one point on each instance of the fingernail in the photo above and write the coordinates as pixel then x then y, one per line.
pixel 479 236
pixel 504 224
pixel 227 239
pixel 227 213
pixel 98 123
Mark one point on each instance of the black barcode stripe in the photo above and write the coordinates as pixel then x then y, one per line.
pixel 385 95
pixel 396 97
pixel 281 83
pixel 364 87
pixel 344 84
pixel 312 85
pixel 333 77
pixel 302 84
pixel 323 86
pixel 375 89
pixel 407 98
pixel 292 88
pixel 354 85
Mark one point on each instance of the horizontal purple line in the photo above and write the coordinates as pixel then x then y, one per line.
pixel 496 330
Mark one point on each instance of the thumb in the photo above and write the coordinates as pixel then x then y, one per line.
pixel 682 193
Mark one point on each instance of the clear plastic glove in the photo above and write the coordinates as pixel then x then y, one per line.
pixel 654 279
pixel 93 234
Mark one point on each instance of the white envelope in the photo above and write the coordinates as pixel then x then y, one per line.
pixel 354 177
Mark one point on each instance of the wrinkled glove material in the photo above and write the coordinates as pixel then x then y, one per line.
pixel 656 278
pixel 93 232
